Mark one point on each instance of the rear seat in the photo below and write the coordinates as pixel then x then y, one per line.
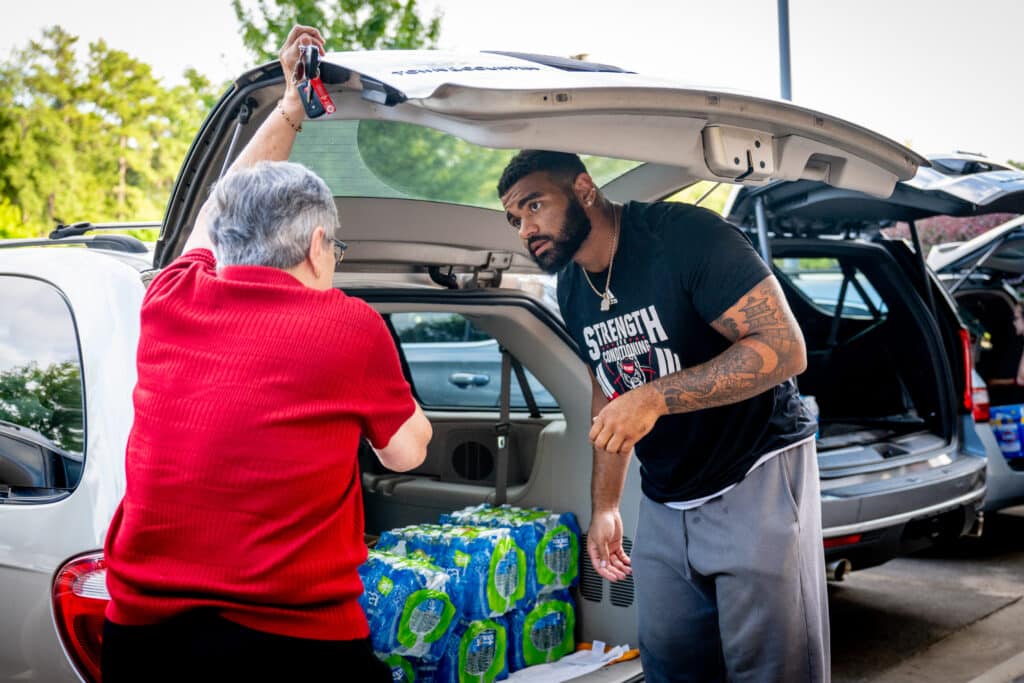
pixel 429 491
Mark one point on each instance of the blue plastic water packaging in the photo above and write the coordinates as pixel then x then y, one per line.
pixel 542 633
pixel 488 569
pixel 477 652
pixel 403 669
pixel 549 539
pixel 407 603
pixel 413 541
pixel 1006 424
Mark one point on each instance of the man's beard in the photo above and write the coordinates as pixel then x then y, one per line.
pixel 575 230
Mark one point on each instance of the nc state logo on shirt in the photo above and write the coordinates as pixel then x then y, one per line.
pixel 632 373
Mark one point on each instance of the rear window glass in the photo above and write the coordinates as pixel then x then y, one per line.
pixel 390 159
pixel 42 417
pixel 821 281
pixel 455 365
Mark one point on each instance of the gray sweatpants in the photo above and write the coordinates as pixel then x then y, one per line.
pixel 735 589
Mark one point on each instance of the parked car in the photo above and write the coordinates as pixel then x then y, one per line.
pixel 982 275
pixel 965 163
pixel 412 154
pixel 901 458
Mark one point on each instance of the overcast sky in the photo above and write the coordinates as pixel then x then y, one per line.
pixel 936 74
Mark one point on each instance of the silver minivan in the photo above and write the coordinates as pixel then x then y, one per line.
pixel 412 154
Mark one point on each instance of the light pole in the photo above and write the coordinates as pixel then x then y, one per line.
pixel 787 93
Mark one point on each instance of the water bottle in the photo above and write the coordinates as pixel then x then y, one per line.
pixel 1006 425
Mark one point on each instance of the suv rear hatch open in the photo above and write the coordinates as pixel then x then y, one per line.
pixel 887 361
pixel 983 274
pixel 503 102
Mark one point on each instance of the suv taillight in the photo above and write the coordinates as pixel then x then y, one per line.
pixel 965 345
pixel 79 600
pixel 980 398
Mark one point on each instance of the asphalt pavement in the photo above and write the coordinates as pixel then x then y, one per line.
pixel 951 614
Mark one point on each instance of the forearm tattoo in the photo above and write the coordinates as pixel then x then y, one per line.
pixel 767 349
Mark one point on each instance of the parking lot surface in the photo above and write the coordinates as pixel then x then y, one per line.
pixel 952 614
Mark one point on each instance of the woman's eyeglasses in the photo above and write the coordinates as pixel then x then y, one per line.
pixel 339 251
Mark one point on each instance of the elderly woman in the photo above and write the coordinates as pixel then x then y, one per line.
pixel 233 555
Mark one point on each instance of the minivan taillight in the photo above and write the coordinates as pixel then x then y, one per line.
pixel 80 598
pixel 965 346
pixel 980 397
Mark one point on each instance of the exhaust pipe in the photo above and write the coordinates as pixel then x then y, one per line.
pixel 836 571
pixel 978 527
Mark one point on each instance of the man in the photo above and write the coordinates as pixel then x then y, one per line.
pixel 692 348
pixel 233 554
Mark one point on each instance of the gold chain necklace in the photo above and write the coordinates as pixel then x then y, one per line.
pixel 607 298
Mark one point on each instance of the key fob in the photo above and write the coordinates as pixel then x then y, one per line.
pixel 310 100
pixel 315 99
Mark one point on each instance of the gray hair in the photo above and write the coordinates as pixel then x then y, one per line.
pixel 265 215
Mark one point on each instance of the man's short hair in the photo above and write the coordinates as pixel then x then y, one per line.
pixel 265 215
pixel 561 166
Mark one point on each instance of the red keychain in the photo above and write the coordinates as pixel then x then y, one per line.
pixel 313 93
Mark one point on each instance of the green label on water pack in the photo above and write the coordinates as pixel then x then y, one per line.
pixel 385 585
pixel 425 618
pixel 482 652
pixel 420 554
pixel 461 559
pixel 506 577
pixel 548 632
pixel 401 669
pixel 557 558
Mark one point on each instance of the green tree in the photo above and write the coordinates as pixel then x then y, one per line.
pixel 346 24
pixel 45 399
pixel 100 140
pixel 715 199
pixel 1018 164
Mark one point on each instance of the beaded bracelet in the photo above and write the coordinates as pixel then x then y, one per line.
pixel 298 128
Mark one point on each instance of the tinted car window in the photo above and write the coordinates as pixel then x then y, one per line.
pixel 42 428
pixel 390 159
pixel 455 365
pixel 821 281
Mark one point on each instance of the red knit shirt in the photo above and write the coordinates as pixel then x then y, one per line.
pixel 243 489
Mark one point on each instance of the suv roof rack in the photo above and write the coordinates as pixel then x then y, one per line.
pixel 75 234
pixel 124 243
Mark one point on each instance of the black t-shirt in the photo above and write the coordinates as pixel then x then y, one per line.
pixel 678 268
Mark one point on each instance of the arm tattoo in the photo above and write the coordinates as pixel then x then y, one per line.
pixel 767 349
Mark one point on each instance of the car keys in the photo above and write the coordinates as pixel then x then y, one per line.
pixel 313 94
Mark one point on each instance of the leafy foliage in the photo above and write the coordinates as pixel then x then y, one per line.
pixel 47 400
pixel 943 229
pixel 100 140
pixel 345 24
pixel 715 199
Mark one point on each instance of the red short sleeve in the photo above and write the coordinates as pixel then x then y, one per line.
pixel 386 397
pixel 168 280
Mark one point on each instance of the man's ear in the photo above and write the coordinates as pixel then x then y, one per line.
pixel 585 189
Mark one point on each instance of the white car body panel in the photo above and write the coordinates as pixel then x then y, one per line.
pixel 105 296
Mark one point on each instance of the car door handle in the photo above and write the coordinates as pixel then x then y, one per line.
pixel 468 379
